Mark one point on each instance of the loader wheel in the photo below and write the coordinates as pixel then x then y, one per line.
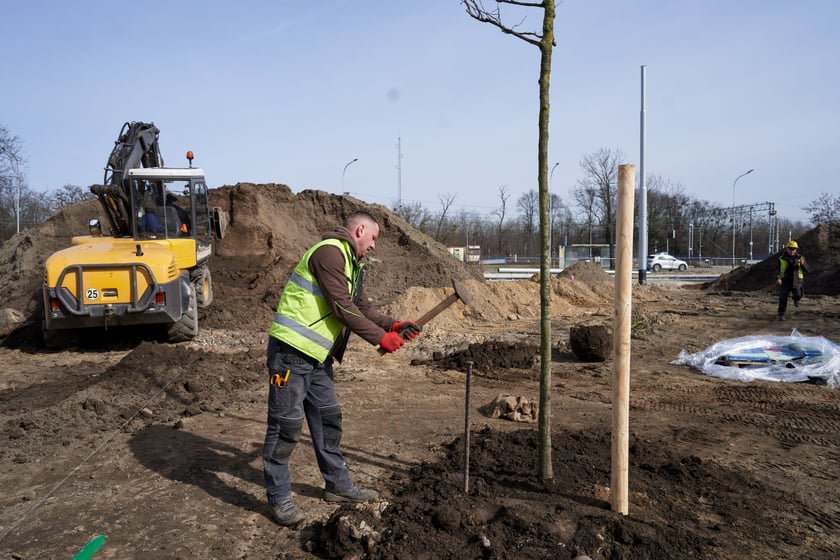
pixel 186 328
pixel 203 285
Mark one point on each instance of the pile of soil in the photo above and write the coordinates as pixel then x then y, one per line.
pixel 567 516
pixel 270 228
pixel 487 357
pixel 818 246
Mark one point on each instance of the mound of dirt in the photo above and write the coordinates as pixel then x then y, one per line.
pixel 819 246
pixel 22 257
pixel 432 516
pixel 270 228
pixel 487 357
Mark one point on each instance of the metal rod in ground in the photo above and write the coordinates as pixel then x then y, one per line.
pixel 467 430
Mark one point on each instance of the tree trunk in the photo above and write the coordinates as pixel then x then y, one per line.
pixel 544 422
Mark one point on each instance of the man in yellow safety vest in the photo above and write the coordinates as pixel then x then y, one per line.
pixel 322 303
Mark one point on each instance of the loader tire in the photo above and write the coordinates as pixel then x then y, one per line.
pixel 203 285
pixel 186 328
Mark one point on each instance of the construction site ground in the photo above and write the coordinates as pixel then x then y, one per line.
pixel 157 446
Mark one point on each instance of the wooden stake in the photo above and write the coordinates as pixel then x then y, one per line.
pixel 621 338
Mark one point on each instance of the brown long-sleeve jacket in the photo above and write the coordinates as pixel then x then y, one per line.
pixel 362 318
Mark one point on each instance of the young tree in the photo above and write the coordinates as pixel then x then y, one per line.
pixel 544 41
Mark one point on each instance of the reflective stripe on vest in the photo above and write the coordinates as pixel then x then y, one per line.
pixel 304 319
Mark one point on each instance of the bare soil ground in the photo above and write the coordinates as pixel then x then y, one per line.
pixel 157 446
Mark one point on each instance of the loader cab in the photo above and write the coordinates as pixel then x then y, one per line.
pixel 169 204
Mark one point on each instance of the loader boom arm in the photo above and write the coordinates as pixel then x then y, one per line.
pixel 136 146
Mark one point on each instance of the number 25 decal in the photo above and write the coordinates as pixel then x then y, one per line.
pixel 92 293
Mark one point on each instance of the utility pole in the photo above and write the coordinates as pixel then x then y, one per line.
pixel 643 217
pixel 399 172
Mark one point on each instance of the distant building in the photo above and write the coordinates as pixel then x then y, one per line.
pixel 589 252
pixel 468 254
pixel 473 254
pixel 459 253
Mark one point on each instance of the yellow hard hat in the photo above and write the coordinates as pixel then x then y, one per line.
pixel 792 245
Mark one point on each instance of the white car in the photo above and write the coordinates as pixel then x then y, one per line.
pixel 664 261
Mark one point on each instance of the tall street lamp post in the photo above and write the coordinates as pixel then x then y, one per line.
pixel 550 248
pixel 354 160
pixel 733 213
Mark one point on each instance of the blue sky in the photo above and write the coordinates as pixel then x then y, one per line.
pixel 291 91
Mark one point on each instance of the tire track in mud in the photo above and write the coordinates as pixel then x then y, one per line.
pixel 785 413
pixel 777 412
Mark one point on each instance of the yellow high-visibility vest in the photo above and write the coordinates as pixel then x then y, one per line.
pixel 304 319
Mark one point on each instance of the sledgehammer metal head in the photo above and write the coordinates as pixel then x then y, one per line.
pixel 460 293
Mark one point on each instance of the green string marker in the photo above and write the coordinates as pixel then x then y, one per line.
pixel 91 548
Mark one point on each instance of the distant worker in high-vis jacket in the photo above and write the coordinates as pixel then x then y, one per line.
pixel 322 303
pixel 792 269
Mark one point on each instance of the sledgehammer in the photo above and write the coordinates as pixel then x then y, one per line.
pixel 460 293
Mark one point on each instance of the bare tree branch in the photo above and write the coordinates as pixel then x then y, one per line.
pixel 476 10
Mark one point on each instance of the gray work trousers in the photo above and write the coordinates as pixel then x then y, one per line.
pixel 784 291
pixel 300 387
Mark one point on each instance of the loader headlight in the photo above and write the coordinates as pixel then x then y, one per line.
pixel 95 227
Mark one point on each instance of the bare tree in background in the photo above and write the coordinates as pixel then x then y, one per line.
pixel 12 182
pixel 825 209
pixel 415 214
pixel 11 151
pixel 446 201
pixel 544 41
pixel 599 188
pixel 585 200
pixel 500 213
pixel 529 206
pixel 69 195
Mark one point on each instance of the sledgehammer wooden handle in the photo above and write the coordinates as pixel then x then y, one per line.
pixel 438 309
pixel 429 315
pixel 459 293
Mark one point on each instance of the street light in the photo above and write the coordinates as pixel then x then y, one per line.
pixel 733 213
pixel 354 160
pixel 550 176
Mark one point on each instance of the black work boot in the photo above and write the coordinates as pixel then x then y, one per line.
pixel 353 494
pixel 781 316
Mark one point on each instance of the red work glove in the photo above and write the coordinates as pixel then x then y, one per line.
pixel 391 342
pixel 407 329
